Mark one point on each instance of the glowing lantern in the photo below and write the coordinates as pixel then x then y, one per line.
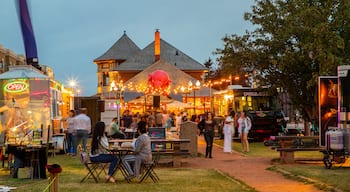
pixel 158 82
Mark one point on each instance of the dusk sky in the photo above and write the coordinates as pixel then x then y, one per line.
pixel 71 34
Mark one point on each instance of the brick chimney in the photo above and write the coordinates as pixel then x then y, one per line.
pixel 156 45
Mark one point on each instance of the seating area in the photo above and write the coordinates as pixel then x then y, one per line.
pixel 94 168
pixel 148 169
pixel 287 145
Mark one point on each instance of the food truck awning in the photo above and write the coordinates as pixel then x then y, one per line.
pixel 22 72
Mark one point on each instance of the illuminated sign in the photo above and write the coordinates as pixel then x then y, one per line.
pixel 16 86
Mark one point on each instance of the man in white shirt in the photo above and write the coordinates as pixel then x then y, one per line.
pixel 82 129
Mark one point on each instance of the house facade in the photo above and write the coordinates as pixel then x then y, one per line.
pixel 128 66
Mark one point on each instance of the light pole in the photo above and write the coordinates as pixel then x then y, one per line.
pixel 211 97
pixel 78 97
pixel 194 88
pixel 185 90
pixel 72 84
pixel 118 88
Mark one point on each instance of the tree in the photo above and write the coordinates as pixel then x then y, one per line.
pixel 211 70
pixel 294 42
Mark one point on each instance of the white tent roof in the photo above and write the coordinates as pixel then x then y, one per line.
pixel 24 71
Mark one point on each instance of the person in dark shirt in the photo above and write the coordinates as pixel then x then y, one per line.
pixel 209 127
pixel 127 119
pixel 142 124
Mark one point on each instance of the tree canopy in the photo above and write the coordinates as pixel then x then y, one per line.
pixel 293 43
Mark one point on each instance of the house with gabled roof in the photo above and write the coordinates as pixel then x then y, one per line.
pixel 107 63
pixel 125 59
pixel 125 62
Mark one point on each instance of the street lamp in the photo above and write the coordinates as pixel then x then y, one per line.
pixel 210 95
pixel 185 90
pixel 72 84
pixel 78 97
pixel 194 88
pixel 118 88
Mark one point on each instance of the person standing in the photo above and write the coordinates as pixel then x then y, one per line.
pixel 166 115
pixel 70 132
pixel 209 127
pixel 126 119
pixel 244 125
pixel 151 119
pixel 82 128
pixel 142 124
pixel 229 131
pixel 142 154
pixel 99 149
pixel 159 119
pixel 178 121
pixel 169 121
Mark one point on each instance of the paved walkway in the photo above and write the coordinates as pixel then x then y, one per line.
pixel 250 170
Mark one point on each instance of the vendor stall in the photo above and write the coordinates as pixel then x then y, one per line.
pixel 28 103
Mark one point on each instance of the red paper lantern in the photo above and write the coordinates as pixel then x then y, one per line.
pixel 158 82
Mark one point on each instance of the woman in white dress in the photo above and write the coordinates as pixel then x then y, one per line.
pixel 229 131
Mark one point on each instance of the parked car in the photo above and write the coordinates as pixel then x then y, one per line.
pixel 265 124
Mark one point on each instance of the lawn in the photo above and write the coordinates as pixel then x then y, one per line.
pixel 172 180
pixel 326 179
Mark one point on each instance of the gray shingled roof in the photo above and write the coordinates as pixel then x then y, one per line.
pixel 169 53
pixel 123 49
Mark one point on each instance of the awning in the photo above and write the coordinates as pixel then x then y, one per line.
pixel 23 71
pixel 130 96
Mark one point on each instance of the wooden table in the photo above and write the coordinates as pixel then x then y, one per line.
pixel 290 144
pixel 121 152
pixel 24 154
pixel 175 150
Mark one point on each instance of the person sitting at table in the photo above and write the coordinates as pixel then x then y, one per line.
pixel 142 154
pixel 114 130
pixel 99 149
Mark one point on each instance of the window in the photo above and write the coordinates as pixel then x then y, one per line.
pixel 105 66
pixel 105 80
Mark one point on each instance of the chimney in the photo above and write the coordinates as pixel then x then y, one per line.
pixel 156 45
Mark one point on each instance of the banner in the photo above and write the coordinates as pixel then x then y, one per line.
pixel 27 33
pixel 328 104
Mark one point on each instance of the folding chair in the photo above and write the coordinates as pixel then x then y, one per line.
pixel 148 170
pixel 94 168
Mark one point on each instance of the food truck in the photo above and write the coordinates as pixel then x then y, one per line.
pixel 30 101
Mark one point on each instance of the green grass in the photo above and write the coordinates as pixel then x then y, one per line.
pixel 326 179
pixel 172 180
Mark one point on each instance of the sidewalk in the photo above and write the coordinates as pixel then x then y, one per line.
pixel 250 170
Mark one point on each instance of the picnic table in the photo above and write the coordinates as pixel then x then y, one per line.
pixel 290 144
pixel 164 147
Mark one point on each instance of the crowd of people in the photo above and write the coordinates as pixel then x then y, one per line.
pixel 79 127
pixel 167 119
pixel 207 126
